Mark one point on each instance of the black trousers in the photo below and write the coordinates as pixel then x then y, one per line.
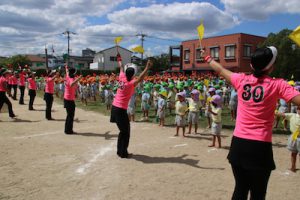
pixel 70 108
pixel 119 116
pixel 9 86
pixel 22 89
pixel 4 99
pixel 15 88
pixel 49 102
pixel 255 181
pixel 32 94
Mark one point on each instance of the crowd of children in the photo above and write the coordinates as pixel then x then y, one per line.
pixel 188 95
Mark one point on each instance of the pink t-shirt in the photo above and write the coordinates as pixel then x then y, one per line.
pixel 14 80
pixel 124 92
pixel 31 84
pixel 49 85
pixel 22 79
pixel 257 100
pixel 70 91
pixel 3 82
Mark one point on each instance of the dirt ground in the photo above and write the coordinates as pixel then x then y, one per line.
pixel 38 161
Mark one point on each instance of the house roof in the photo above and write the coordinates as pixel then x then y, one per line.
pixel 35 58
pixel 226 35
pixel 113 48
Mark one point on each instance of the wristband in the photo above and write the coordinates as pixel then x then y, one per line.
pixel 208 59
pixel 119 58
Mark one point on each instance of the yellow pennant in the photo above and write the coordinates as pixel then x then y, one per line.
pixel 200 30
pixel 295 35
pixel 295 135
pixel 118 40
pixel 138 49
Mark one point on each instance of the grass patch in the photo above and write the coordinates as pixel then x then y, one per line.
pixel 98 106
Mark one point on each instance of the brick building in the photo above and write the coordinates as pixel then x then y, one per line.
pixel 232 51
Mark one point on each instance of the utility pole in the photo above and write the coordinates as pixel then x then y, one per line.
pixel 67 33
pixel 46 57
pixel 142 43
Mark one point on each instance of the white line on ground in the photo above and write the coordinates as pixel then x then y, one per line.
pixel 101 152
pixel 44 134
pixel 180 145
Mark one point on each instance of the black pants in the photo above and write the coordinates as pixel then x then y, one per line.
pixel 70 108
pixel 9 86
pixel 32 94
pixel 119 116
pixel 255 181
pixel 49 102
pixel 22 89
pixel 4 99
pixel 15 88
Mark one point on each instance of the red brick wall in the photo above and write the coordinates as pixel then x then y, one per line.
pixel 239 63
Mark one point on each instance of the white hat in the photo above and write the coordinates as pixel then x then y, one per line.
pixel 131 65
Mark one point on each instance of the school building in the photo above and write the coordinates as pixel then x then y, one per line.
pixel 233 51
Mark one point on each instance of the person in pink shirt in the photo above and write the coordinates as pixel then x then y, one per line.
pixel 251 154
pixel 125 90
pixel 9 83
pixel 3 89
pixel 14 85
pixel 49 90
pixel 31 90
pixel 69 98
pixel 22 77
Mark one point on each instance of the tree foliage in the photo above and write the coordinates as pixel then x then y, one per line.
pixel 15 61
pixel 288 60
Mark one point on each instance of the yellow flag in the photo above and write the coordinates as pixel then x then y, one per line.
pixel 138 49
pixel 118 40
pixel 295 135
pixel 295 35
pixel 200 30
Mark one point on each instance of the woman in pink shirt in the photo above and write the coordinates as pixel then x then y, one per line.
pixel 22 77
pixel 69 98
pixel 3 88
pixel 251 154
pixel 31 90
pixel 120 103
pixel 49 90
pixel 14 83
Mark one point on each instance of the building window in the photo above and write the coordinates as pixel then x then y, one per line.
pixel 113 58
pixel 229 51
pixel 247 50
pixel 214 52
pixel 198 55
pixel 186 55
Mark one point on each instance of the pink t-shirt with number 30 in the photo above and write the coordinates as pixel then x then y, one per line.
pixel 257 98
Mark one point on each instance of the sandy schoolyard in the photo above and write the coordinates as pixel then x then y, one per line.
pixel 38 161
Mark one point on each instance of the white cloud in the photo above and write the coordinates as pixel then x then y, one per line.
pixel 174 20
pixel 261 9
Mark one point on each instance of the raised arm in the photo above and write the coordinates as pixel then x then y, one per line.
pixel 119 60
pixel 76 81
pixel 217 67
pixel 142 75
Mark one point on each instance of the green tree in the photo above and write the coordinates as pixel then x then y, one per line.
pixel 288 59
pixel 15 61
pixel 160 63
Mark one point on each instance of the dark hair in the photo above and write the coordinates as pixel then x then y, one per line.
pixel 72 72
pixel 129 73
pixel 259 60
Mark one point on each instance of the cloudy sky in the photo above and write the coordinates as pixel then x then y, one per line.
pixel 27 26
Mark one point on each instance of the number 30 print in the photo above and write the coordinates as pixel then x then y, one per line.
pixel 257 94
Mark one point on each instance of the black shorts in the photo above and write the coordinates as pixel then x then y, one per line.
pixel 251 154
